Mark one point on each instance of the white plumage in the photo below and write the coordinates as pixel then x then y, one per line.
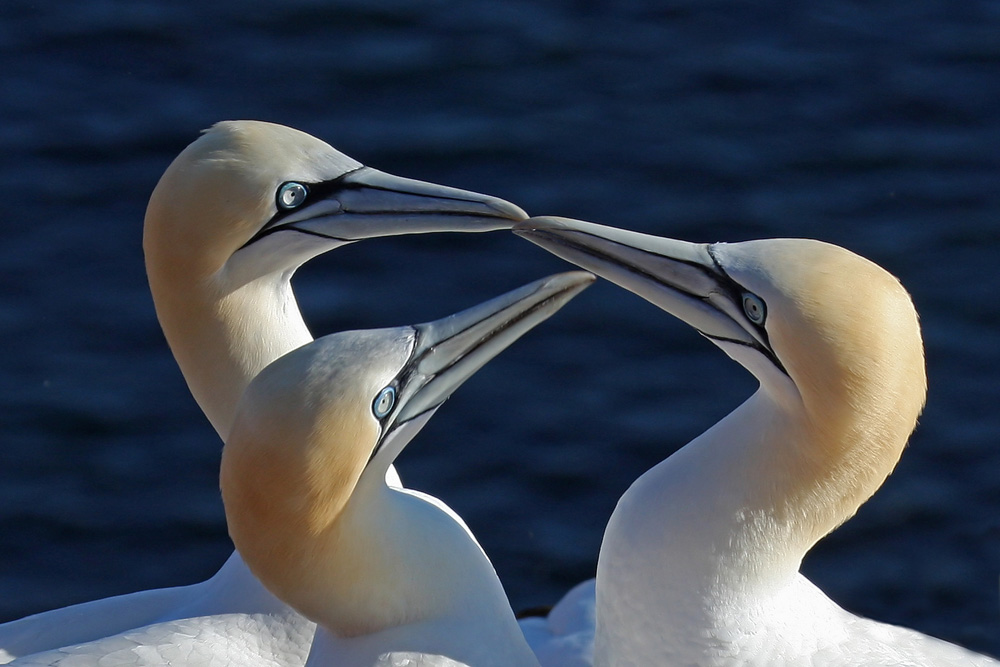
pixel 232 218
pixel 699 563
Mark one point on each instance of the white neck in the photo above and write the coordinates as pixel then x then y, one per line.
pixel 221 340
pixel 704 539
pixel 399 566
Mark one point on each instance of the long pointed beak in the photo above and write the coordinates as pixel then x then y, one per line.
pixel 450 350
pixel 367 203
pixel 681 278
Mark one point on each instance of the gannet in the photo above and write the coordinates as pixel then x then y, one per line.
pixel 231 219
pixel 700 560
pixel 393 576
pixel 303 481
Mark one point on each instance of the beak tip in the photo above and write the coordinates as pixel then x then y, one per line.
pixel 582 278
pixel 508 210
pixel 563 287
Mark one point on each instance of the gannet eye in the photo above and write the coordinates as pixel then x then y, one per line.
pixel 754 308
pixel 291 195
pixel 383 403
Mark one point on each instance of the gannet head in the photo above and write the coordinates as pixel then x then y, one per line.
pixel 809 319
pixel 303 469
pixel 249 198
pixel 237 212
pixel 844 329
pixel 831 336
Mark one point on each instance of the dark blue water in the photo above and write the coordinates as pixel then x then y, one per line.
pixel 875 125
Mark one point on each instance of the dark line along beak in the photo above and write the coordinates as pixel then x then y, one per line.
pixel 367 203
pixel 449 351
pixel 681 278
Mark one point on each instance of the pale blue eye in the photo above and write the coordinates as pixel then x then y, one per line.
pixel 384 402
pixel 754 308
pixel 291 195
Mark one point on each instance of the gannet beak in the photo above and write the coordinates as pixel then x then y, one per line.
pixel 681 278
pixel 367 203
pixel 449 351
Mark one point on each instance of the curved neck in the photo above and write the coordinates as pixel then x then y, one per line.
pixel 723 523
pixel 394 562
pixel 221 340
pixel 395 557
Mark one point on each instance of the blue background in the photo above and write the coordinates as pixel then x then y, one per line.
pixel 874 125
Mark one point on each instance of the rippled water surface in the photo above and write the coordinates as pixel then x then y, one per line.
pixel 872 125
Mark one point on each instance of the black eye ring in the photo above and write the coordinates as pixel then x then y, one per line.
pixel 384 402
pixel 291 195
pixel 754 308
